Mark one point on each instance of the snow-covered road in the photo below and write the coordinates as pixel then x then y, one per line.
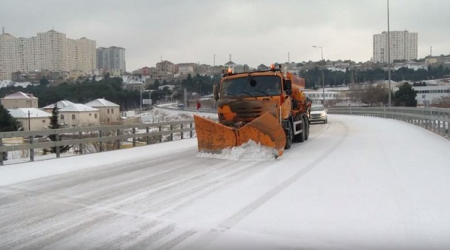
pixel 357 183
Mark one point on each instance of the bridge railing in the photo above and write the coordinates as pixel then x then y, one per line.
pixel 436 120
pixel 95 139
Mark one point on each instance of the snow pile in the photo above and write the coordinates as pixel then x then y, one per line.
pixel 159 115
pixel 249 151
pixel 164 115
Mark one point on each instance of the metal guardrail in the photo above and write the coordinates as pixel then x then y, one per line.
pixel 436 120
pixel 80 136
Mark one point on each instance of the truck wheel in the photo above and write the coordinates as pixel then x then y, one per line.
pixel 306 128
pixel 289 136
pixel 301 136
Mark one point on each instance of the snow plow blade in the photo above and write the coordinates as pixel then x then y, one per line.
pixel 213 137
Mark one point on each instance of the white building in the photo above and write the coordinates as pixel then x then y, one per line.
pixel 111 59
pixel 31 118
pixel 403 46
pixel 19 100
pixel 426 94
pixel 79 115
pixel 108 111
pixel 316 96
pixel 185 69
pixel 47 51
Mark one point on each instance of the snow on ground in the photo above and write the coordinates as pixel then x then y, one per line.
pixel 357 183
pixel 249 151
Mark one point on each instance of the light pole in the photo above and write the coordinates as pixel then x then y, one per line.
pixel 140 99
pixel 389 55
pixel 323 76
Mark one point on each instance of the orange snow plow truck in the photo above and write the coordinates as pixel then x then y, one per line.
pixel 268 107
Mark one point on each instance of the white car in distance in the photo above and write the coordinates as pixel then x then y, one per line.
pixel 318 114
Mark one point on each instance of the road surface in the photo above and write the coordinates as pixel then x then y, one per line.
pixel 357 183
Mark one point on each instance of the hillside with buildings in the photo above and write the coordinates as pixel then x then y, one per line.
pixel 50 59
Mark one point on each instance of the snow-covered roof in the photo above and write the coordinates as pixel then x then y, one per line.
pixel 133 82
pixel 77 107
pixel 60 104
pixel 5 83
pixel 22 84
pixel 170 86
pixel 20 95
pixel 23 113
pixel 101 102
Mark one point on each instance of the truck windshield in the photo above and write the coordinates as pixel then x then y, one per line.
pixel 254 86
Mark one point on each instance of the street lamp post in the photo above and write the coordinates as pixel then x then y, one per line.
pixel 323 76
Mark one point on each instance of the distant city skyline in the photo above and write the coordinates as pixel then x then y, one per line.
pixel 253 32
pixel 51 50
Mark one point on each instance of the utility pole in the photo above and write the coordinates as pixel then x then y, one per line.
pixel 140 91
pixel 29 121
pixel 389 56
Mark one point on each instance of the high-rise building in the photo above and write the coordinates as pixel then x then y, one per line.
pixel 111 59
pixel 404 46
pixel 47 51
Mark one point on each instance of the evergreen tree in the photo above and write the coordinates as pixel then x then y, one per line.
pixel 156 84
pixel 405 96
pixel 7 123
pixel 54 124
pixel 43 81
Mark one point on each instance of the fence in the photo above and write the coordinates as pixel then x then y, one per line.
pixel 113 136
pixel 436 120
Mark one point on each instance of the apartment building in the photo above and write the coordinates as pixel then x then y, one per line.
pixel 166 67
pixel 49 50
pixel 9 59
pixel 111 59
pixel 403 46
pixel 186 68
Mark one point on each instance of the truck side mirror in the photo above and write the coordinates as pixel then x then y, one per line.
pixel 216 91
pixel 287 86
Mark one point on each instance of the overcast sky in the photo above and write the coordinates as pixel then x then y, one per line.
pixel 252 31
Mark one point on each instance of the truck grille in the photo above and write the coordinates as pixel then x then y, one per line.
pixel 248 113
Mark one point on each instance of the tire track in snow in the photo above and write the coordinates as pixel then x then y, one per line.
pixel 173 181
pixel 57 231
pixel 231 221
pixel 77 178
pixel 200 188
pixel 151 239
pixel 119 241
